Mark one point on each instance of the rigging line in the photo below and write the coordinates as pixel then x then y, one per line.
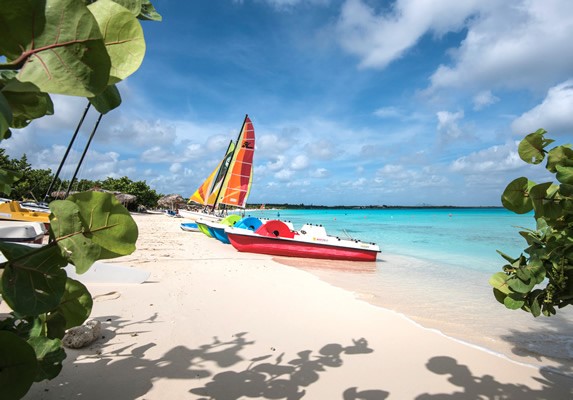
pixel 67 151
pixel 84 154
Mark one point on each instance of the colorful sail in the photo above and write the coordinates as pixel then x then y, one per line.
pixel 206 194
pixel 237 184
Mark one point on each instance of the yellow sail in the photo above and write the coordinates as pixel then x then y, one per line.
pixel 206 194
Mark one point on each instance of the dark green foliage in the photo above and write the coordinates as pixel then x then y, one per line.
pixel 548 258
pixel 70 47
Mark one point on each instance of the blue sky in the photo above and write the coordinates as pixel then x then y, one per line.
pixel 354 102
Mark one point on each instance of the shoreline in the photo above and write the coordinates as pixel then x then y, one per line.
pixel 496 339
pixel 213 323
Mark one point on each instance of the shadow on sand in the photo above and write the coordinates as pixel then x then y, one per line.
pixel 128 372
pixel 555 386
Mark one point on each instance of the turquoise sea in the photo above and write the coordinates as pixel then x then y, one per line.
pixel 434 268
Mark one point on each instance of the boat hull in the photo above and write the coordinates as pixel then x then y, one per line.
pixel 290 247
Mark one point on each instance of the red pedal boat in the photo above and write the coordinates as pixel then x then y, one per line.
pixel 311 241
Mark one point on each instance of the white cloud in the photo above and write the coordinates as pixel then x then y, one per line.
pixel 448 126
pixel 483 99
pixel 492 159
pixel 284 174
pixel 175 167
pixel 388 112
pixel 517 44
pixel 380 38
pixel 554 114
pixel 299 162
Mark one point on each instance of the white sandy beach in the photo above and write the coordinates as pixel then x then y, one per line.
pixel 212 323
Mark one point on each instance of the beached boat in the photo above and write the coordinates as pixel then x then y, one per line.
pixel 230 182
pixel 311 241
pixel 22 231
pixel 190 227
pixel 217 229
pixel 13 211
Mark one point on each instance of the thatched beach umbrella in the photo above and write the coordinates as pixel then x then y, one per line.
pixel 125 199
pixel 171 201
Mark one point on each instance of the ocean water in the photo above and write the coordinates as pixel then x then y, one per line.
pixel 434 268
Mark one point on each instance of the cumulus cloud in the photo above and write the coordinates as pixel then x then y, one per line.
pixel 379 38
pixel 492 159
pixel 284 174
pixel 176 167
pixel 553 114
pixel 300 162
pixel 483 99
pixel 448 126
pixel 517 44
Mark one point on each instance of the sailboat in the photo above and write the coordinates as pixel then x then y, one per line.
pixel 230 182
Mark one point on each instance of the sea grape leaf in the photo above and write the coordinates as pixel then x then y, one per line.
pixel 5 117
pixel 123 37
pixel 107 100
pixel 73 235
pixel 27 102
pixel 92 225
pixel 34 279
pixel 134 6
pixel 560 155
pixel 50 354
pixel 76 304
pixel 516 196
pixel 513 301
pixel 56 44
pixel 564 174
pixel 18 366
pixel 499 282
pixel 520 286
pixel 148 12
pixel 531 148
pixel 7 179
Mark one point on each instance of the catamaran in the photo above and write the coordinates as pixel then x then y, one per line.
pixel 230 182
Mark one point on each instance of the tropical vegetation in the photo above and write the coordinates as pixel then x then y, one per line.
pixel 35 183
pixel 541 280
pixel 69 47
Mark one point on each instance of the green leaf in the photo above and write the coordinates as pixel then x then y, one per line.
pixel 516 196
pixel 92 225
pixel 541 199
pixel 107 100
pixel 18 366
pixel 5 117
pixel 123 37
pixel 56 44
pixel 499 282
pixel 520 286
pixel 134 6
pixel 560 155
pixel 564 174
pixel 532 148
pixel 514 301
pixel 508 258
pixel 7 179
pixel 50 355
pixel 148 12
pixel 76 304
pixel 499 296
pixel 27 102
pixel 34 279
